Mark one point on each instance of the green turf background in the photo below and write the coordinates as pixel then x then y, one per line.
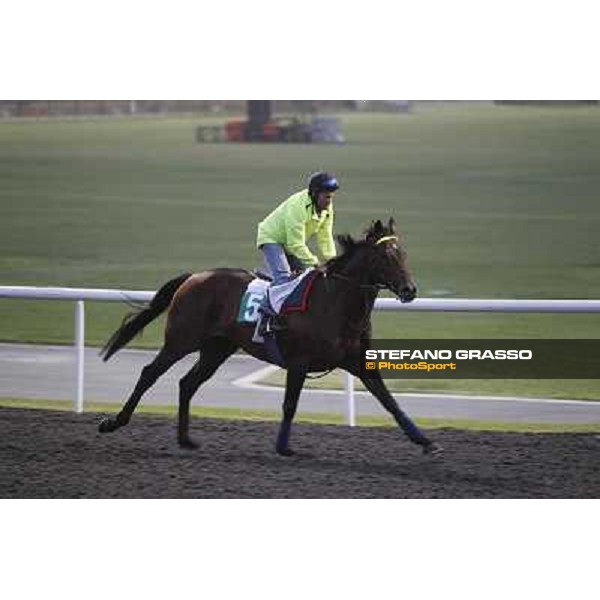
pixel 498 202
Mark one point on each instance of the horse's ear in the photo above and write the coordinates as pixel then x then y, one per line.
pixel 378 228
pixel 375 231
pixel 392 225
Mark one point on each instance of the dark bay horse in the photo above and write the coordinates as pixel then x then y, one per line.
pixel 202 311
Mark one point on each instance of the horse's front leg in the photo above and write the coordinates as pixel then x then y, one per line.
pixel 376 385
pixel 296 376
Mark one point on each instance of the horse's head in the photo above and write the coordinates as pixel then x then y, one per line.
pixel 388 263
pixel 377 260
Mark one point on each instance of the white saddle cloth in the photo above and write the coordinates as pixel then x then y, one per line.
pixel 277 294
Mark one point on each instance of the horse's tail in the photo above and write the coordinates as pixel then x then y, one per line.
pixel 135 322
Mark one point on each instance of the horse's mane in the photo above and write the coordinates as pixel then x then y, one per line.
pixel 348 246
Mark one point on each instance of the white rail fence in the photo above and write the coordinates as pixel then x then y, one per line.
pixel 80 295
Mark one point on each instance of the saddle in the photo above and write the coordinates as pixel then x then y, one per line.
pixel 269 313
pixel 283 299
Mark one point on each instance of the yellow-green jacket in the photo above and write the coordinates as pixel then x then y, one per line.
pixel 293 223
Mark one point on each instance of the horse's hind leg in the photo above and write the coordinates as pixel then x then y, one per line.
pixel 150 373
pixel 212 356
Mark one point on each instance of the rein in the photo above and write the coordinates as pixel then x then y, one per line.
pixel 362 286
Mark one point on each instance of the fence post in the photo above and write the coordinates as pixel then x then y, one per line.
pixel 79 354
pixel 350 407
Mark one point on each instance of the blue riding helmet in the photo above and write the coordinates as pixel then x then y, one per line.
pixel 321 182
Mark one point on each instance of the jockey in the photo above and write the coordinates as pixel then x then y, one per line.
pixel 283 234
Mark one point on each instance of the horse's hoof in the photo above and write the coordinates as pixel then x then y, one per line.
pixel 187 444
pixel 107 425
pixel 433 449
pixel 285 451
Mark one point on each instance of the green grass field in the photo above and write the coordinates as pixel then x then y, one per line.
pixel 498 202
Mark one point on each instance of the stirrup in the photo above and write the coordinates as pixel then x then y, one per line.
pixel 277 323
pixel 264 327
pixel 270 324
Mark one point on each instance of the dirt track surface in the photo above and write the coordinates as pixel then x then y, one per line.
pixel 48 454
